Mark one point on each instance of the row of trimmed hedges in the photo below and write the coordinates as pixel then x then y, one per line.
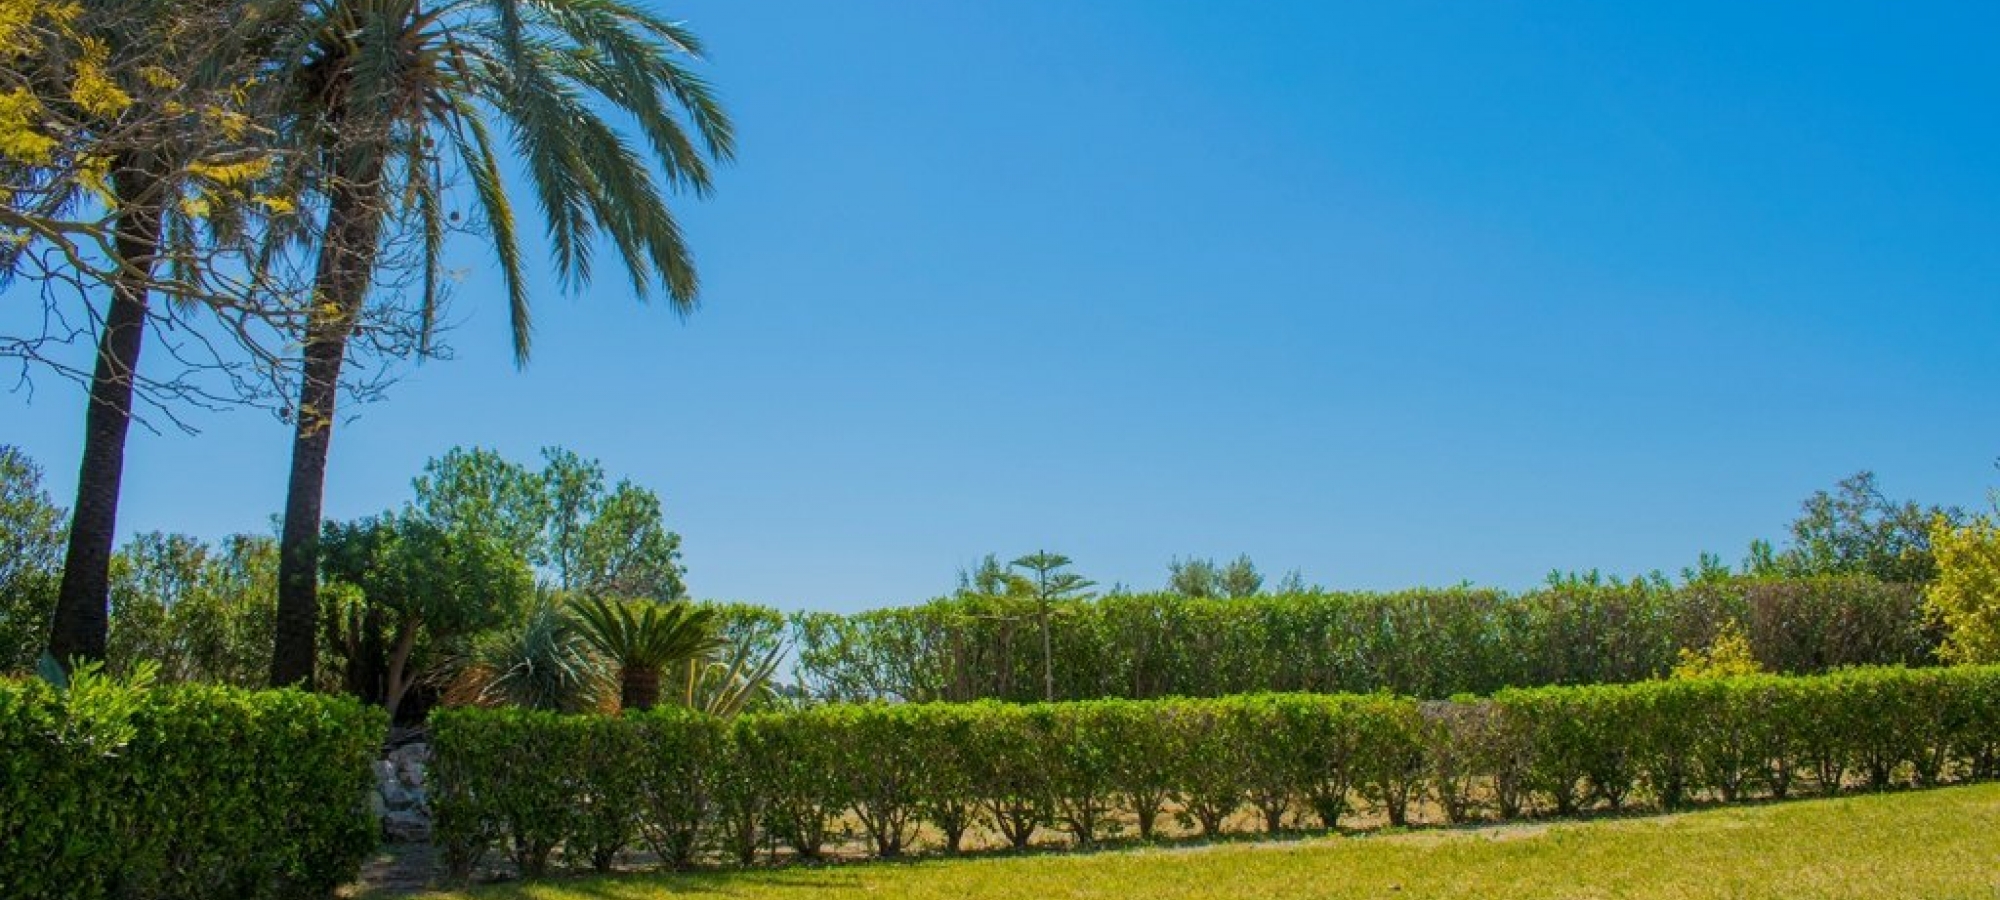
pixel 687 786
pixel 1430 643
pixel 110 791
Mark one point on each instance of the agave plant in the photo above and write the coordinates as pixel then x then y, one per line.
pixel 644 638
pixel 542 660
pixel 728 683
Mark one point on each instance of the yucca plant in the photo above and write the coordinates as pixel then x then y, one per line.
pixel 731 682
pixel 644 638
pixel 541 660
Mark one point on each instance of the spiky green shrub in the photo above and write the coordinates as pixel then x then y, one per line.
pixel 646 639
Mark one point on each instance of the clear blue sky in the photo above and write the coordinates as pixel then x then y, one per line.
pixel 1391 293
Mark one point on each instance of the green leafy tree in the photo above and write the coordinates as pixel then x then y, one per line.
pixel 150 576
pixel 1051 584
pixel 395 97
pixel 1193 577
pixel 1240 578
pixel 417 582
pixel 1293 585
pixel 472 489
pixel 196 612
pixel 625 550
pixel 31 540
pixel 1856 529
pixel 591 541
pixel 573 488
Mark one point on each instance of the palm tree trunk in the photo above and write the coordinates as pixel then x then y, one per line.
pixel 340 287
pixel 639 687
pixel 82 619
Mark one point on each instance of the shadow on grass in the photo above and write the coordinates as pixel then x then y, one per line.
pixel 722 880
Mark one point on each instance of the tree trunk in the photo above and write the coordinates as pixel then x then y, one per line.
pixel 82 619
pixel 639 687
pixel 399 668
pixel 340 287
pixel 1048 656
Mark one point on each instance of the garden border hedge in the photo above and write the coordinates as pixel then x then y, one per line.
pixel 112 791
pixel 694 787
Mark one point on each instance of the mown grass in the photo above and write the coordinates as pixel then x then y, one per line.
pixel 1938 845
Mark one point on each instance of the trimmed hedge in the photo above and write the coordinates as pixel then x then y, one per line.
pixel 111 791
pixel 1429 643
pixel 539 784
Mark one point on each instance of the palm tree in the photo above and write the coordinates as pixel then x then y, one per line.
pixel 151 133
pixel 644 638
pixel 395 98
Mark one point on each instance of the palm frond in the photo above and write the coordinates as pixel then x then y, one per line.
pixel 647 634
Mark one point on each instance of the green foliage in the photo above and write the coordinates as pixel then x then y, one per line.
pixel 115 789
pixel 643 638
pixel 740 676
pixel 592 541
pixel 539 660
pixel 695 783
pixel 478 490
pixel 1855 529
pixel 514 775
pixel 31 546
pixel 1081 744
pixel 802 765
pixel 201 613
pixel 418 586
pixel 1965 598
pixel 882 748
pixel 983 642
pixel 1199 577
pixel 627 550
pixel 680 784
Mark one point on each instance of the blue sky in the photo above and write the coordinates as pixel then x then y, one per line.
pixel 1390 293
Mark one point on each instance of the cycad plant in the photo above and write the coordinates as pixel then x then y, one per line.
pixel 643 639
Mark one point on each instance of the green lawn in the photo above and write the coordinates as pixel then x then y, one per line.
pixel 1936 845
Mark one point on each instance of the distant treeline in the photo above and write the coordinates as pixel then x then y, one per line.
pixel 1431 643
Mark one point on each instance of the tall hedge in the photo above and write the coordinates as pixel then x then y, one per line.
pixel 1431 644
pixel 181 792
pixel 543 786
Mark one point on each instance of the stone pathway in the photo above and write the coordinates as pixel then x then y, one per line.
pixel 396 870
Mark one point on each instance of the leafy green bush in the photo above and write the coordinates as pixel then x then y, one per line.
pixel 1426 643
pixel 538 783
pixel 1006 754
pixel 1081 741
pixel 882 765
pixel 117 790
pixel 679 781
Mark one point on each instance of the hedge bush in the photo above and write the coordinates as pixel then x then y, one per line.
pixel 533 783
pixel 1428 643
pixel 113 791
